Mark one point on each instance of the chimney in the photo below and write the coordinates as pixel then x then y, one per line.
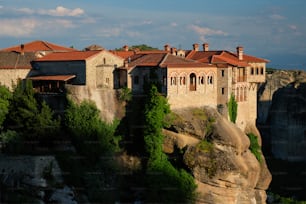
pixel 240 52
pixel 125 48
pixel 195 47
pixel 205 47
pixel 167 47
pixel 22 49
pixel 173 51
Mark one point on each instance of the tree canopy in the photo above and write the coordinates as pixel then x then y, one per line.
pixel 141 47
pixel 5 96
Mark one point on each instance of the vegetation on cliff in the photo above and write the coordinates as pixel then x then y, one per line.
pixel 254 146
pixel 165 182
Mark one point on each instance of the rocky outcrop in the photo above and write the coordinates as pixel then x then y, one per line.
pixel 282 114
pixel 33 179
pixel 218 156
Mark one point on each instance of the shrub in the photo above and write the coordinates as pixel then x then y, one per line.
pixel 11 141
pixel 125 94
pixel 254 146
pixel 90 134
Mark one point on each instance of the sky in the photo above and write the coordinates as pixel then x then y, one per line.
pixel 270 29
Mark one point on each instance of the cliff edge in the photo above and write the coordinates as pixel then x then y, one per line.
pixel 282 114
pixel 217 154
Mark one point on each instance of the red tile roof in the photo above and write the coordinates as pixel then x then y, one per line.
pixel 123 54
pixel 38 45
pixel 52 78
pixel 219 57
pixel 69 56
pixel 127 54
pixel 164 60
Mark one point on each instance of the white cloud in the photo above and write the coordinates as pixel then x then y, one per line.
pixel 204 31
pixel 65 23
pixel 109 32
pixel 62 11
pixel 293 27
pixel 58 11
pixel 173 24
pixel 276 17
pixel 26 11
pixel 17 27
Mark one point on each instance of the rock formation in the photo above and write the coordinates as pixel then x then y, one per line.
pixel 282 114
pixel 218 156
pixel 33 179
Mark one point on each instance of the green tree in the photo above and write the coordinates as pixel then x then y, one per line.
pixel 27 116
pixel 5 96
pixel 90 134
pixel 161 175
pixel 141 47
pixel 232 108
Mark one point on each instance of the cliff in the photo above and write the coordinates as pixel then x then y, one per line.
pixel 282 114
pixel 217 153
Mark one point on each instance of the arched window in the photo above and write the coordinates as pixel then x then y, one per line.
pixel 257 71
pixel 252 71
pixel 182 80
pixel 261 71
pixel 241 94
pixel 245 93
pixel 210 80
pixel 104 60
pixel 173 80
pixel 201 80
pixel 193 82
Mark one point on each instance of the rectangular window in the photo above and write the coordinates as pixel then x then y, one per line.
pixel 222 72
pixel 222 91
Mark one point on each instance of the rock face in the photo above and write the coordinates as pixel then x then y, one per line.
pixel 282 113
pixel 219 158
pixel 38 179
pixel 105 100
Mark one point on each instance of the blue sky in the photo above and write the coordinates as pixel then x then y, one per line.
pixel 271 29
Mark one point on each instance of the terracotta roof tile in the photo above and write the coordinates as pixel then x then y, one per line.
pixel 164 60
pixel 254 59
pixel 35 46
pixel 69 56
pixel 123 54
pixel 217 57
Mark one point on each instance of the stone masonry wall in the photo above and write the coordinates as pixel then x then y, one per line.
pixel 11 76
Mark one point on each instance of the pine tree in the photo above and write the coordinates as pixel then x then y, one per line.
pixel 232 108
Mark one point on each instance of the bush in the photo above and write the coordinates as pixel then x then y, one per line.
pixel 254 146
pixel 11 142
pixel 125 94
pixel 90 134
